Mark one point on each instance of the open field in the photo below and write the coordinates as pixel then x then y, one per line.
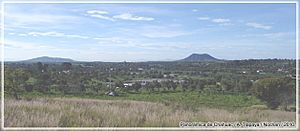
pixel 188 99
pixel 75 112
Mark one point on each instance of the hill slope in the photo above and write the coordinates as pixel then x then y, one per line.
pixel 199 57
pixel 49 59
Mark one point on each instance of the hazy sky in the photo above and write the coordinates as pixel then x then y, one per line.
pixel 141 32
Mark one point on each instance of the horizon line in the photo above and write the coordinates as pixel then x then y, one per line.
pixel 174 60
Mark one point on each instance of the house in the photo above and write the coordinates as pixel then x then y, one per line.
pixel 128 84
pixel 259 71
pixel 173 75
pixel 66 71
pixel 112 93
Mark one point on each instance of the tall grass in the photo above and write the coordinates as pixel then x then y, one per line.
pixel 75 112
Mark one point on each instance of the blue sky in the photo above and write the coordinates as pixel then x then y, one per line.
pixel 146 32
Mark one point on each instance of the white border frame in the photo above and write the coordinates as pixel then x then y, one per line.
pixel 145 2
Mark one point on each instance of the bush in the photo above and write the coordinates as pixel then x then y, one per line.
pixel 275 91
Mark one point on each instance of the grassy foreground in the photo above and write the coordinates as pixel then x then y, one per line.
pixel 75 112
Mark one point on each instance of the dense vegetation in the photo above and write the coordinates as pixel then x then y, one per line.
pixel 231 83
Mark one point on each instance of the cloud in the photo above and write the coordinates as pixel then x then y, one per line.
pixel 125 16
pixel 35 16
pixel 138 43
pixel 155 31
pixel 26 45
pixel 225 24
pixel 279 34
pixel 22 34
pixel 259 26
pixel 102 17
pixel 280 37
pixel 220 20
pixel 53 34
pixel 203 18
pixel 195 10
pixel 22 19
pixel 99 14
pixel 163 34
pixel 114 41
pixel 96 12
pixel 128 16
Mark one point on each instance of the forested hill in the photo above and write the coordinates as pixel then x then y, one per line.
pixel 47 59
pixel 199 57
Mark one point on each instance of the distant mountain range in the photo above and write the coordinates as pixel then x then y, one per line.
pixel 192 58
pixel 199 57
pixel 47 59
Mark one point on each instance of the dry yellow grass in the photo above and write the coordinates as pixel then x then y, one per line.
pixel 73 112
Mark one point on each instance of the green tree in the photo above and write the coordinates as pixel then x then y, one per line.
pixel 137 86
pixel 15 82
pixel 245 85
pixel 157 85
pixel 227 84
pixel 67 66
pixel 173 85
pixel 30 84
pixel 94 85
pixel 274 91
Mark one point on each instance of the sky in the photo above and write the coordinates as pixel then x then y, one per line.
pixel 149 32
